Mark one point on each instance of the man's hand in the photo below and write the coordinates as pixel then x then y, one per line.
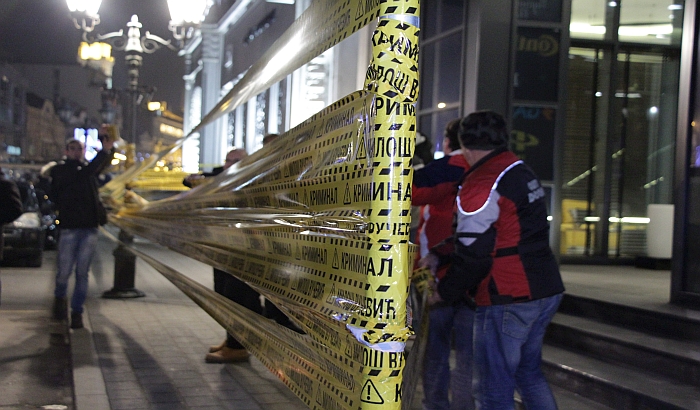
pixel 194 179
pixel 429 261
pixel 434 296
pixel 107 143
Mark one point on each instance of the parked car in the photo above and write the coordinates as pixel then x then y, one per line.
pixel 24 238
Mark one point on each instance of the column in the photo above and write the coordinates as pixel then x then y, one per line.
pixel 212 142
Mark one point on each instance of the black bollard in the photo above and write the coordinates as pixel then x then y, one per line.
pixel 124 271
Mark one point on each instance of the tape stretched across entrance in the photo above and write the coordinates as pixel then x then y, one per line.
pixel 318 221
pixel 328 235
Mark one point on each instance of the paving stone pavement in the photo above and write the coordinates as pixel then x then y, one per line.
pixel 150 350
pixel 140 353
pixel 35 361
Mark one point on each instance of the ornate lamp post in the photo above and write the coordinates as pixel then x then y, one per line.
pixel 186 16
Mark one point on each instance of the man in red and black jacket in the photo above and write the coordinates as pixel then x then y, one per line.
pixel 501 255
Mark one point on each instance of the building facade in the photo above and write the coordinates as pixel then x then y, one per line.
pixel 46 133
pixel 13 90
pixel 599 96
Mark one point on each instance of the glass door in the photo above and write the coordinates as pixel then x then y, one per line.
pixel 618 148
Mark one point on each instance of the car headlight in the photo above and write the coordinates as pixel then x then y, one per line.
pixel 27 220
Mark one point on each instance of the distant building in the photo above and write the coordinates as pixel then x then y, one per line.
pixel 12 113
pixel 46 133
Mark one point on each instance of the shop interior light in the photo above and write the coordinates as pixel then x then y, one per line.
pixel 624 220
pixel 628 31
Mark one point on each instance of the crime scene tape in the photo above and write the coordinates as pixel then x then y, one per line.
pixel 214 231
pixel 324 374
pixel 317 221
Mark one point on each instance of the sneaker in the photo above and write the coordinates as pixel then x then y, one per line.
pixel 60 309
pixel 214 349
pixel 76 320
pixel 227 355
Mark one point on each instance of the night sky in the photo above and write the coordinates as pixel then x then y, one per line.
pixel 42 32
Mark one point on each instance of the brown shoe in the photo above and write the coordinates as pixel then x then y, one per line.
pixel 216 348
pixel 227 355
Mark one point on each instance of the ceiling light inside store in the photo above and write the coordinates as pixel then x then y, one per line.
pixel 646 30
pixel 628 95
pixel 624 220
pixel 675 7
pixel 629 31
pixel 586 28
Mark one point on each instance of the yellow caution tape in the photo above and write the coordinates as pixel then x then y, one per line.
pixel 318 221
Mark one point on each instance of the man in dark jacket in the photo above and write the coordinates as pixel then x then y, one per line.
pixel 230 350
pixel 501 255
pixel 74 190
pixel 10 206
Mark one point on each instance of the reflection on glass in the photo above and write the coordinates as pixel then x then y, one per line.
pixel 638 150
pixel 658 22
pixel 650 22
pixel 449 69
pixel 588 19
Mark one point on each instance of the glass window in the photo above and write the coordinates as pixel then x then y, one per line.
pixel 449 69
pixel 443 117
pixel 440 16
pixel 649 22
pixel 428 18
pixel 425 126
pixel 452 14
pixel 630 158
pixel 690 281
pixel 428 78
pixel 588 19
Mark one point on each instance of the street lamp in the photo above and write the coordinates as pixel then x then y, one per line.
pixel 186 15
pixel 84 13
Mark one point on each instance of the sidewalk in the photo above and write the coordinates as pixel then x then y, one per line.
pixel 35 362
pixel 144 353
pixel 148 353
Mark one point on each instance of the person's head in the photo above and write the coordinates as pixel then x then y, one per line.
pixel 75 150
pixel 268 138
pixel 234 156
pixel 483 131
pixel 424 150
pixel 451 141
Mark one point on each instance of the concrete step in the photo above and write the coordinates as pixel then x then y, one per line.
pixel 676 359
pixel 617 386
pixel 653 322
pixel 567 400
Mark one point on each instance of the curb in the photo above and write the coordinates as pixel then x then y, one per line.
pixel 88 383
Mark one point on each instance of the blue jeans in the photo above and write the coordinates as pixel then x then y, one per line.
pixel 508 352
pixel 450 326
pixel 76 247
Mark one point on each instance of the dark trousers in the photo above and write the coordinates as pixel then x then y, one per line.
pixel 237 291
